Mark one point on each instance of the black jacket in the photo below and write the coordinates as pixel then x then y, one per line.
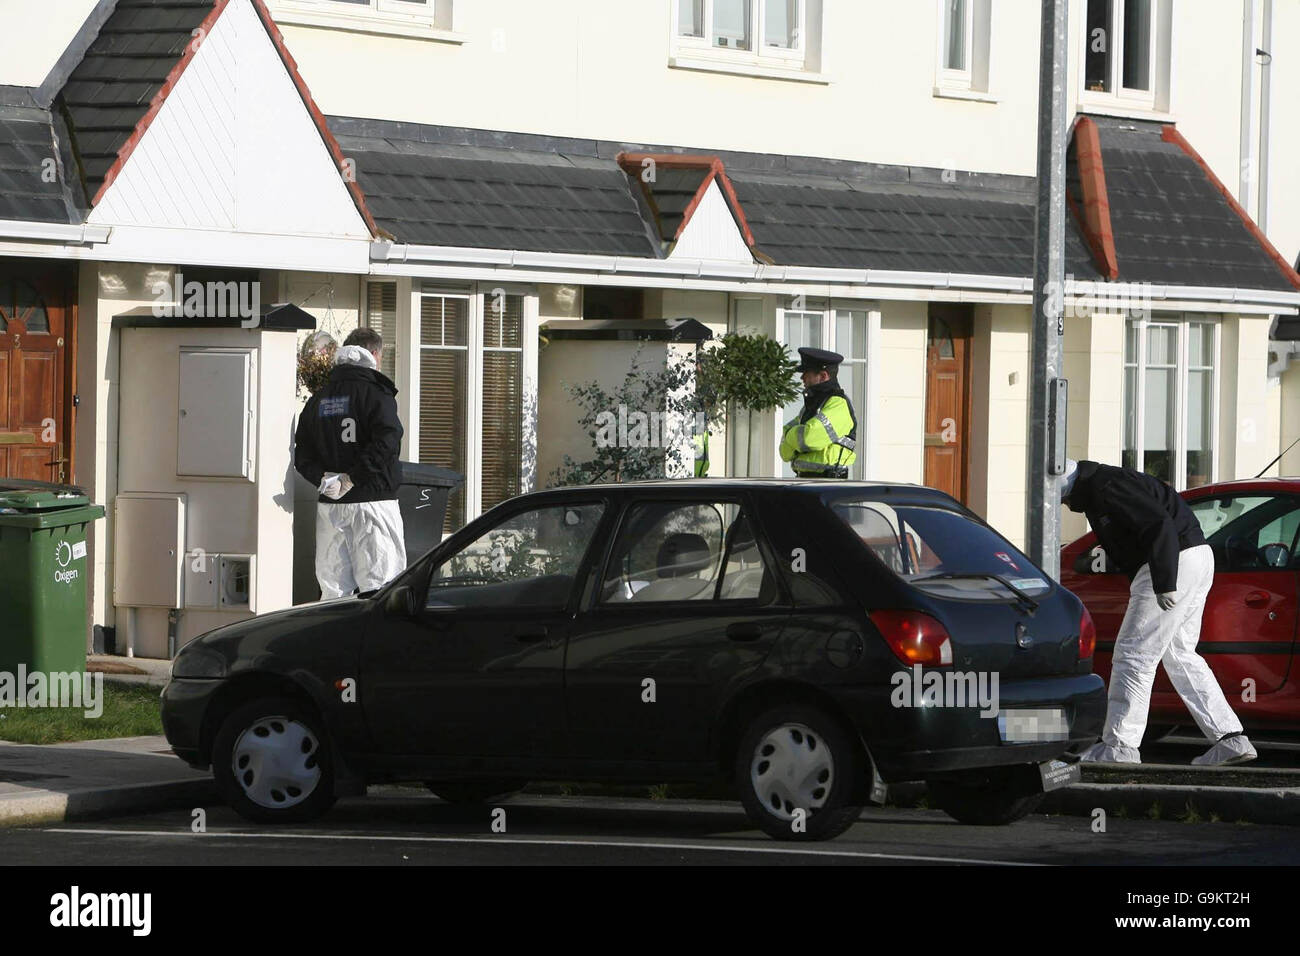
pixel 368 399
pixel 1138 519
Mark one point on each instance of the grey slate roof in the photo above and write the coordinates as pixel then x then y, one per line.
pixel 490 197
pixel 31 189
pixel 109 91
pixel 1171 224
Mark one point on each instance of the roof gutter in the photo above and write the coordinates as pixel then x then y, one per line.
pixel 1105 294
pixel 83 234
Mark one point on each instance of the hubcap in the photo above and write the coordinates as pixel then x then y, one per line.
pixel 275 761
pixel 792 769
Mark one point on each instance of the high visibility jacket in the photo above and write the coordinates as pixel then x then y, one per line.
pixel 822 441
pixel 701 444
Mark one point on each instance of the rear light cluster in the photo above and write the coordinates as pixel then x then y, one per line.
pixel 915 638
pixel 1087 636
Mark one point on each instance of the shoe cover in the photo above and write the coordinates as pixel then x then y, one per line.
pixel 1106 753
pixel 1229 750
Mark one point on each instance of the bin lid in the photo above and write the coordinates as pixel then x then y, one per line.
pixel 418 473
pixel 23 501
pixel 28 484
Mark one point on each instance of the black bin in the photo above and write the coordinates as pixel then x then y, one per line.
pixel 422 498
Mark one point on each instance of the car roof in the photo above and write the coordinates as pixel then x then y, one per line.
pixel 1285 485
pixel 810 485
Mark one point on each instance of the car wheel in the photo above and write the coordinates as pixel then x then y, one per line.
pixel 796 757
pixel 474 791
pixel 271 762
pixel 998 799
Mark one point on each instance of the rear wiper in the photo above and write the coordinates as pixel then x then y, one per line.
pixel 1021 597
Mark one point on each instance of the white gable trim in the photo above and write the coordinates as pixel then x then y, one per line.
pixel 712 232
pixel 233 150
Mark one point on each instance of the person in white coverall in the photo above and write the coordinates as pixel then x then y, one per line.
pixel 347 445
pixel 1147 530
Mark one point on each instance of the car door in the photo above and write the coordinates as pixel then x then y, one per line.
pixel 1249 626
pixel 478 670
pixel 687 604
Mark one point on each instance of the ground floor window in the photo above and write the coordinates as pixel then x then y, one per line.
pixel 1171 398
pixel 809 323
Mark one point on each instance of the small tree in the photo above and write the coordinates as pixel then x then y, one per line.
pixel 636 430
pixel 748 371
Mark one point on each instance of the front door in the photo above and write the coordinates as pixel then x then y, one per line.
pixel 478 672
pixel 33 327
pixel 947 399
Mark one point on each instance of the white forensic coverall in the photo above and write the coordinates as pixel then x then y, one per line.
pixel 359 545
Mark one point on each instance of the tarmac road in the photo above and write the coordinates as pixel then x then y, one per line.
pixel 396 826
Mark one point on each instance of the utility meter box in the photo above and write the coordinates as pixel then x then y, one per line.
pixel 204 524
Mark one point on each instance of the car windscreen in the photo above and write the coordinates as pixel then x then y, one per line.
pixel 941 551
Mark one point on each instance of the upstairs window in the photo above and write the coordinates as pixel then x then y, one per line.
pixel 964 36
pixel 1120 60
pixel 403 17
pixel 754 33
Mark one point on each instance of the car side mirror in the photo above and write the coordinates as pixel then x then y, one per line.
pixel 400 602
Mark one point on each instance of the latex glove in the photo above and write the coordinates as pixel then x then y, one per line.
pixel 335 486
pixel 1167 600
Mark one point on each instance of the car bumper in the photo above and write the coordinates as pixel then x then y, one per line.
pixel 184 703
pixel 909 742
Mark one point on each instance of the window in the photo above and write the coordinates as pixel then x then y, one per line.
pixel 755 33
pixel 1171 399
pixel 818 325
pixel 444 390
pixel 941 551
pixel 670 551
pixel 402 17
pixel 477 383
pixel 965 28
pixel 503 402
pixel 20 302
pixel 381 315
pixel 1250 532
pixel 1120 50
pixel 528 560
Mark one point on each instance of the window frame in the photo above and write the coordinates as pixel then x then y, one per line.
pixel 1182 322
pixel 1118 94
pixel 395 17
pixel 828 309
pixel 948 77
pixel 704 47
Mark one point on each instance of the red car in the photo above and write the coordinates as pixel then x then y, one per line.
pixel 1248 631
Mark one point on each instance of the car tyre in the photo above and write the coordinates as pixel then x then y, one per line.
pixel 796 756
pixel 996 801
pixel 271 762
pixel 474 791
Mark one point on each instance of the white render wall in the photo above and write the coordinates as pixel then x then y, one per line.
pixel 31 44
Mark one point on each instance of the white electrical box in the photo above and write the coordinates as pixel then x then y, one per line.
pixel 235 582
pixel 148 549
pixel 202 575
pixel 215 426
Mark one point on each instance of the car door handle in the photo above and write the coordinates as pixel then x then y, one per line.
pixel 531 634
pixel 1256 599
pixel 744 631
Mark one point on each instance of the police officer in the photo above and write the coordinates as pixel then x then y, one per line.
pixel 822 441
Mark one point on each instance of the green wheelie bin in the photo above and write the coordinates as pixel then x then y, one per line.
pixel 44 578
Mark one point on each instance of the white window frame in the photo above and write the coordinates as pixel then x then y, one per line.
pixel 1120 95
pixel 866 460
pixel 1181 378
pixel 393 17
pixel 700 53
pixel 972 83
pixel 477 296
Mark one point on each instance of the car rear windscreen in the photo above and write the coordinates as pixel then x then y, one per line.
pixel 941 551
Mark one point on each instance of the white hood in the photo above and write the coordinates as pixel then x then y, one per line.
pixel 354 355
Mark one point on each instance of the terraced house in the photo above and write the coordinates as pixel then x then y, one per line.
pixel 511 191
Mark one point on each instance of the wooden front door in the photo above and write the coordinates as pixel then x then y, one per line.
pixel 34 307
pixel 947 399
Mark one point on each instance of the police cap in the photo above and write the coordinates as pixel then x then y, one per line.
pixel 818 360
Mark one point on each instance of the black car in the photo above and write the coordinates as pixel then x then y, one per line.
pixel 810 641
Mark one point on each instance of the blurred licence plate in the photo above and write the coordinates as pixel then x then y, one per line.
pixel 1033 726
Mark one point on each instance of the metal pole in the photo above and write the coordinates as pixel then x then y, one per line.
pixel 1047 328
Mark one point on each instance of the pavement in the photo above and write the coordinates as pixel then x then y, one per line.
pixel 42 784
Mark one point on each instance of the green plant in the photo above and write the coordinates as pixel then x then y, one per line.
pixel 746 371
